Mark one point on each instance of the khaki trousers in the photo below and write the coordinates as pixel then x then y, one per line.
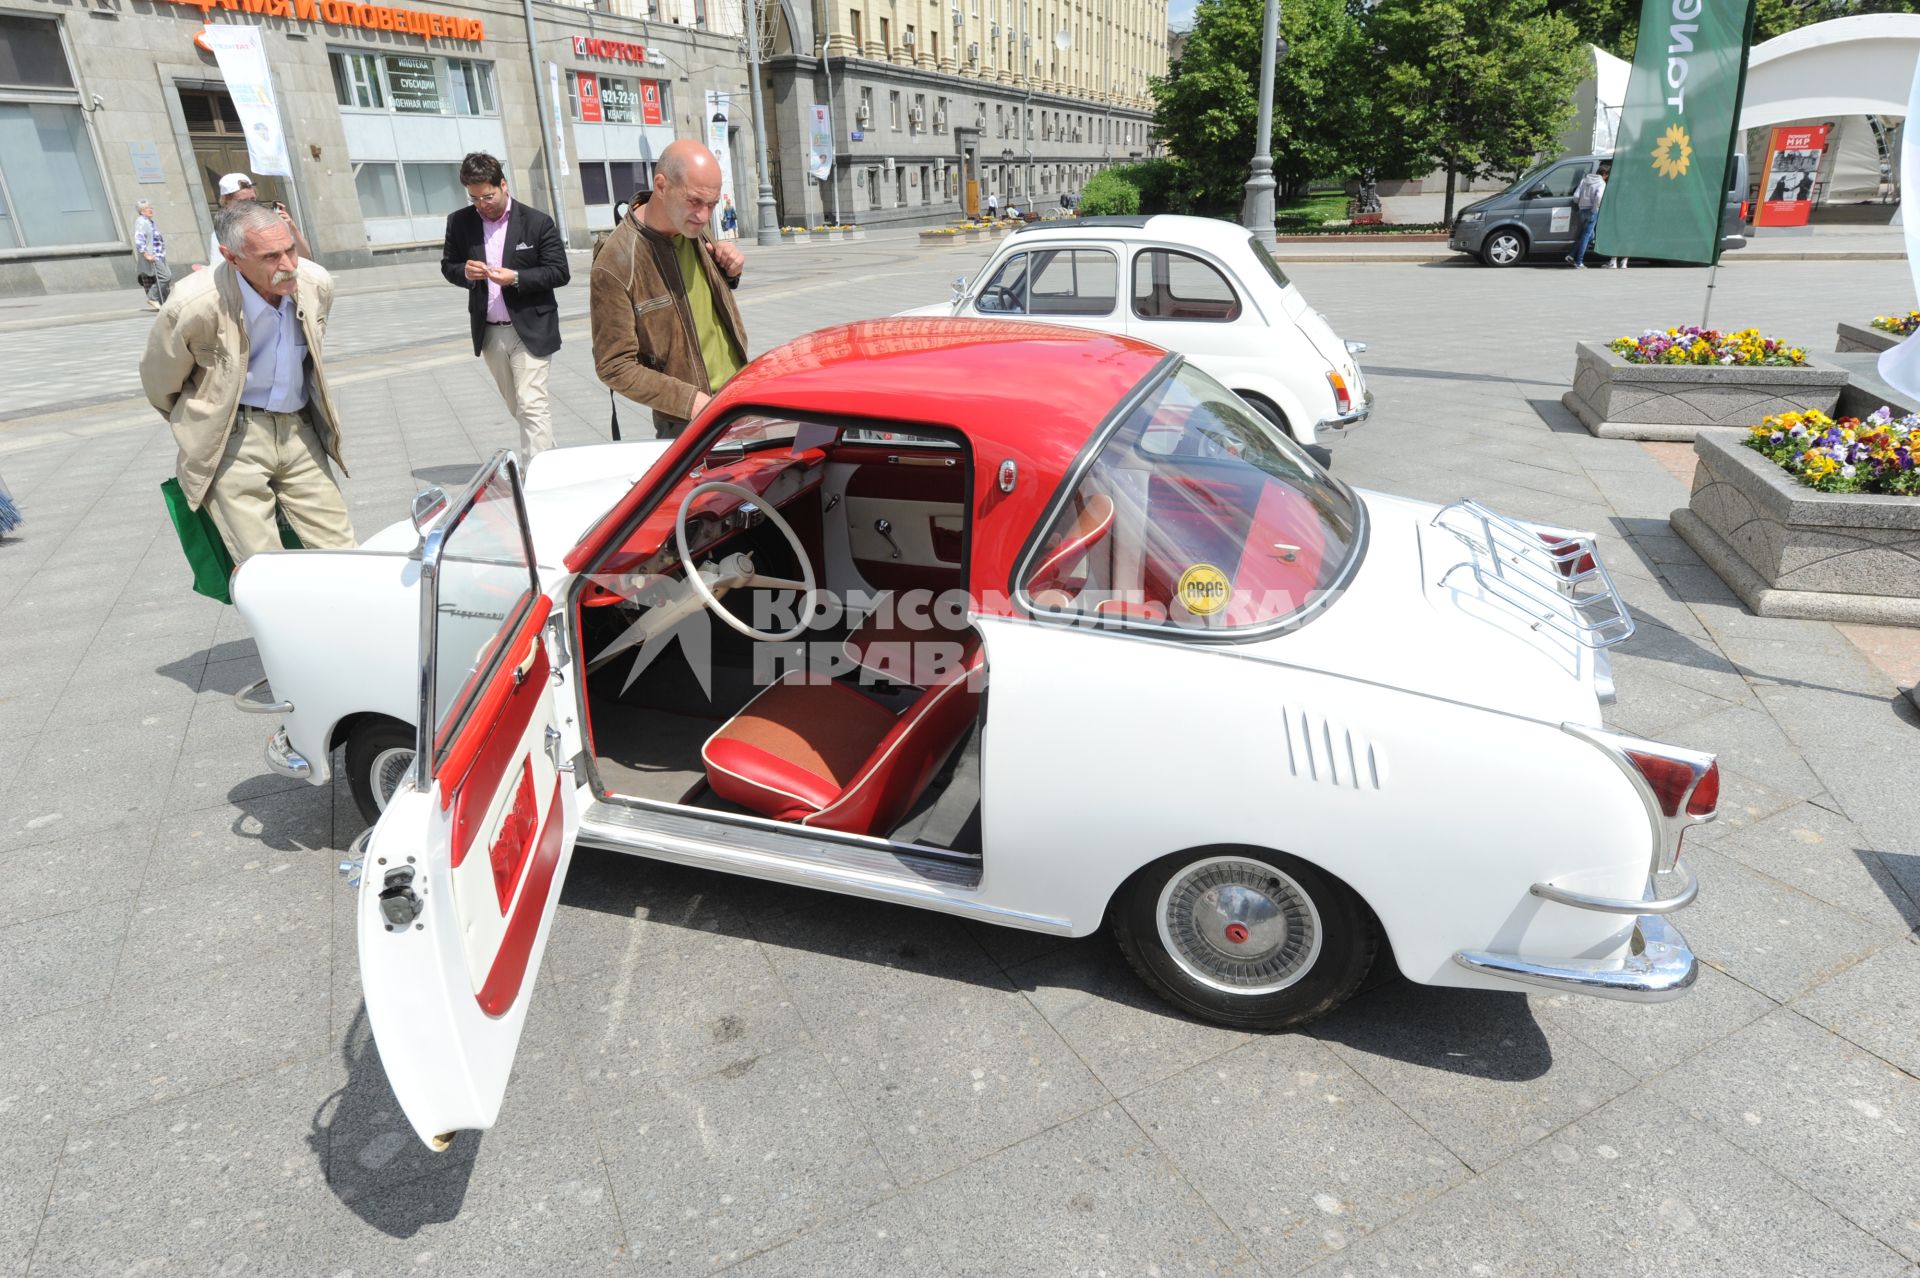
pixel 276 458
pixel 522 378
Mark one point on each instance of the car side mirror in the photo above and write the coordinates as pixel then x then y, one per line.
pixel 959 288
pixel 428 505
pixel 1536 193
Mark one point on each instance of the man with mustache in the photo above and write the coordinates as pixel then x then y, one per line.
pixel 233 364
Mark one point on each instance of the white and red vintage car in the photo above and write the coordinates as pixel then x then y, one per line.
pixel 1084 640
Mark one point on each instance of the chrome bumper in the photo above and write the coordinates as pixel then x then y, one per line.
pixel 1347 421
pixel 282 758
pixel 1658 967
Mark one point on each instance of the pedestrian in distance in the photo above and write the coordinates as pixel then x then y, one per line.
pixel 237 188
pixel 993 206
pixel 234 365
pixel 509 258
pixel 666 332
pixel 1586 207
pixel 150 256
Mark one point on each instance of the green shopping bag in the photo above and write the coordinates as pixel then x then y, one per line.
pixel 205 549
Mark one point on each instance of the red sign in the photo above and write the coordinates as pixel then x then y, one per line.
pixel 1786 183
pixel 589 90
pixel 611 50
pixel 650 103
pixel 345 13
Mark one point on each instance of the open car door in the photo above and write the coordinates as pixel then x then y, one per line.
pixel 462 872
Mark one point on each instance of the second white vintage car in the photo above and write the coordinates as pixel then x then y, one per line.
pixel 1197 285
pixel 1090 642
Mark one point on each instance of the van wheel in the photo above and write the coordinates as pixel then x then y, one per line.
pixel 1244 937
pixel 379 753
pixel 1504 247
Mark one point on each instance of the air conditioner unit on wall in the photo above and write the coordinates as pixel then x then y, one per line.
pixel 864 115
pixel 973 52
pixel 915 118
pixel 907 39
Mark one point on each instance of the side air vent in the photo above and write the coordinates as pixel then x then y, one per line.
pixel 1318 749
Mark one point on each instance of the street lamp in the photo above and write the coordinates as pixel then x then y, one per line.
pixel 1256 214
pixel 768 232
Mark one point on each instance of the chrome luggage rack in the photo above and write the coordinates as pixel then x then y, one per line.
pixel 1552 575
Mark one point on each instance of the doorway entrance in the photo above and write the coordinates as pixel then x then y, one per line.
pixel 220 144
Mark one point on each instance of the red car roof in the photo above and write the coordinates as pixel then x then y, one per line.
pixel 1027 393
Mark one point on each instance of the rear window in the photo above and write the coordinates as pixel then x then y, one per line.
pixel 1196 514
pixel 1265 259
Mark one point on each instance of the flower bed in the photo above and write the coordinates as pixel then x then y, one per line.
pixel 1793 549
pixel 1898 325
pixel 1675 396
pixel 1692 345
pixel 1875 455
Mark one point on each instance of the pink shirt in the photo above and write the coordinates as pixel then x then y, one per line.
pixel 496 244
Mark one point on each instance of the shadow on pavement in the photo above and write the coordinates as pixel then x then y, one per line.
pixel 1897 874
pixel 1479 1033
pixel 1556 416
pixel 372 1160
pixel 451 478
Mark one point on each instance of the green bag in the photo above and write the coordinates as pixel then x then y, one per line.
pixel 205 549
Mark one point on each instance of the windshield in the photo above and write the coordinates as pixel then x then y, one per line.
pixel 1196 514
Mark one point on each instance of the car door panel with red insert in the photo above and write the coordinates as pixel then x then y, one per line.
pixel 906 509
pixel 463 872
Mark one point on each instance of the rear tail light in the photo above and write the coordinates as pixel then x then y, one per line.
pixel 1746 209
pixel 1678 785
pixel 1342 397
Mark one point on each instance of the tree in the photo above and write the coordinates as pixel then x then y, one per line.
pixel 1206 108
pixel 1476 86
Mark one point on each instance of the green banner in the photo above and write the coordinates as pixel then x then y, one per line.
pixel 1672 158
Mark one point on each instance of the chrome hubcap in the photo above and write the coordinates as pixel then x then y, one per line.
pixel 1505 249
pixel 389 768
pixel 1239 925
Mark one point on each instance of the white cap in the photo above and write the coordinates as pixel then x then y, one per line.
pixel 233 182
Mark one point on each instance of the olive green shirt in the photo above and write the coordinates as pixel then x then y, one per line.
pixel 717 349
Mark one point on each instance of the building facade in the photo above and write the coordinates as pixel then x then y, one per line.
pixel 932 105
pixel 106 102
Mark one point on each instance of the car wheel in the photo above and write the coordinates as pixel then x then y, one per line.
pixel 379 753
pixel 1504 248
pixel 1245 937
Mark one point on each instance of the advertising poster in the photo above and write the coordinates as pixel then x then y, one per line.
pixel 243 65
pixel 619 100
pixel 559 119
pixel 414 84
pixel 587 85
pixel 727 218
pixel 650 103
pixel 1786 184
pixel 820 142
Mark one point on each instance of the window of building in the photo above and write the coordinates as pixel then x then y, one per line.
pixel 859 33
pixel 865 118
pixel 434 188
pixel 356 81
pixel 417 188
pixel 893 109
pixel 413 83
pixel 926 184
pixel 919 117
pixel 379 188
pixel 700 13
pixel 471 86
pixel 886 37
pixel 610 99
pixel 51 192
pixel 613 181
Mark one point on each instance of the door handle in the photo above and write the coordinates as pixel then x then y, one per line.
pixel 885 528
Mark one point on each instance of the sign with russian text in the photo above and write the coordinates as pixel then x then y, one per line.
pixel 243 65
pixel 586 86
pixel 619 100
pixel 650 112
pixel 611 50
pixel 343 13
pixel 413 84
pixel 1786 181
pixel 820 143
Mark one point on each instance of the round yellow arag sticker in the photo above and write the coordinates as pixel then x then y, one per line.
pixel 1204 590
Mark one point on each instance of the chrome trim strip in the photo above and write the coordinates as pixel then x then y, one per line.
pixel 1666 831
pixel 1658 967
pixel 282 758
pixel 799 860
pixel 245 706
pixel 1513 563
pixel 1342 421
pixel 1616 905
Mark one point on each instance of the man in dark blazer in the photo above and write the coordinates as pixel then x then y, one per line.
pixel 509 258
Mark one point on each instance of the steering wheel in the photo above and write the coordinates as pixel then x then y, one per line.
pixel 740 566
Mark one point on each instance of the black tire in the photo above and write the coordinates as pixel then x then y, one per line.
pixel 1271 413
pixel 1504 247
pixel 1313 940
pixel 376 743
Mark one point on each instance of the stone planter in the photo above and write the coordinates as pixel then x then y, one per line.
pixel 796 240
pixel 1789 551
pixel 852 234
pixel 1617 400
pixel 1862 337
pixel 936 237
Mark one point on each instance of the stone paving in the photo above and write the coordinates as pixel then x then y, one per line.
pixel 722 1075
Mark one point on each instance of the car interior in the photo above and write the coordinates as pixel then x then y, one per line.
pixel 723 692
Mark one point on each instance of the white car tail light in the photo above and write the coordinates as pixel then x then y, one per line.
pixel 1679 787
pixel 1342 394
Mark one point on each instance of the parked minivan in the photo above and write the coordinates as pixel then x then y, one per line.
pixel 1535 217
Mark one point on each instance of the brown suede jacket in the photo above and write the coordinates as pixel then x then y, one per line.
pixel 644 343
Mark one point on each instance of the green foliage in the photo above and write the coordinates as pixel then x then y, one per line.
pixel 1310 213
pixel 1107 193
pixel 1476 86
pixel 1206 108
pixel 1166 185
pixel 1614 25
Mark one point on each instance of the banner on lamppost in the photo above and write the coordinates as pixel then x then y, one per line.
pixel 726 218
pixel 1667 192
pixel 559 122
pixel 243 66
pixel 820 142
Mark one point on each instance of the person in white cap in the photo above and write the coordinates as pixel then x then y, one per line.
pixel 235 187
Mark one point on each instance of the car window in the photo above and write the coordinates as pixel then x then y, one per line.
pixel 1006 292
pixel 1526 180
pixel 484 585
pixel 1179 286
pixel 1195 515
pixel 1073 281
pixel 1265 259
pixel 1563 179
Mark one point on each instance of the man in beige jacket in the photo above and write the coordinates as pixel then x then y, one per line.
pixel 233 363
